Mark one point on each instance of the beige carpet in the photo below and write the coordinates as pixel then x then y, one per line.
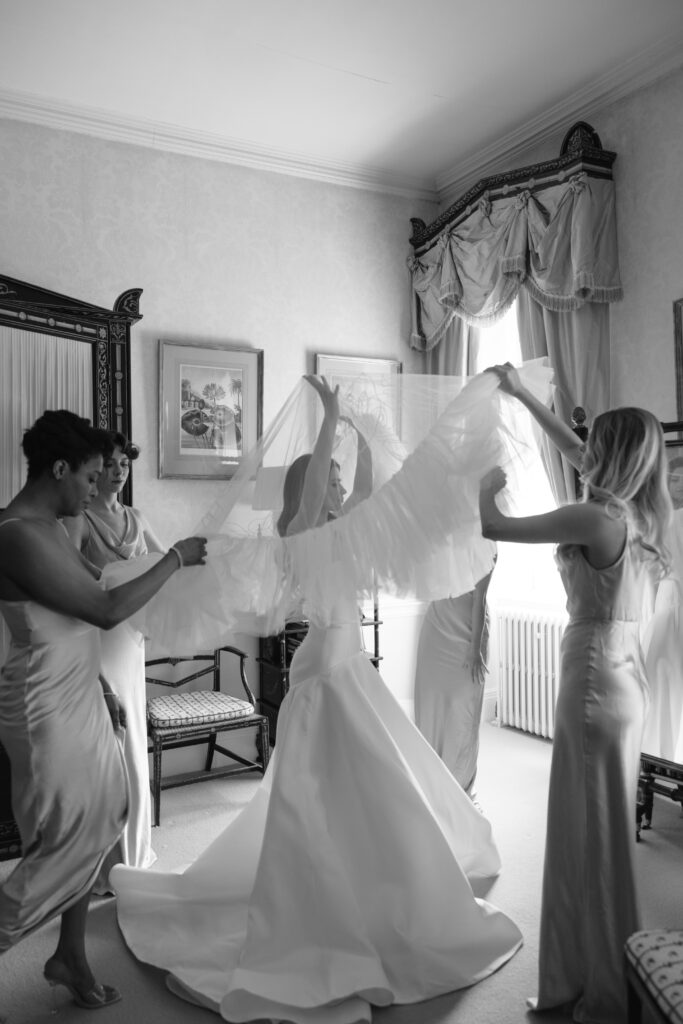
pixel 512 789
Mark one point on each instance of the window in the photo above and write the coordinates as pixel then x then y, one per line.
pixel 525 573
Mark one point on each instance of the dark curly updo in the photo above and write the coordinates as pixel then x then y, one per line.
pixel 119 440
pixel 60 434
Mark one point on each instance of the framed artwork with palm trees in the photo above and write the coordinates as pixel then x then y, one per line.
pixel 210 408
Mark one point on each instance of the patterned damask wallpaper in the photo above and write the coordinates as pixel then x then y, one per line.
pixel 222 253
pixel 225 253
pixel 646 131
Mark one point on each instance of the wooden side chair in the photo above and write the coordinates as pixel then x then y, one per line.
pixel 654 976
pixel 198 716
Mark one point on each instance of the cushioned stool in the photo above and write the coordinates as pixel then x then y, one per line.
pixel 654 975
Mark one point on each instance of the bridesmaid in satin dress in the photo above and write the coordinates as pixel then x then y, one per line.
pixel 109 531
pixel 69 789
pixel 450 671
pixel 611 552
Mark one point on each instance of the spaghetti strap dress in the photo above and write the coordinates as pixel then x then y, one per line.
pixel 589 905
pixel 69 787
pixel 123 666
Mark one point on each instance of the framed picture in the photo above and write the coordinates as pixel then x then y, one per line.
pixel 673 439
pixel 678 355
pixel 336 368
pixel 354 366
pixel 210 408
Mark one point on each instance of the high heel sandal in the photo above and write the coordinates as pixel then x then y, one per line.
pixel 94 998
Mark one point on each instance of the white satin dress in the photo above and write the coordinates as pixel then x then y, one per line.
pixel 345 883
pixel 69 786
pixel 123 666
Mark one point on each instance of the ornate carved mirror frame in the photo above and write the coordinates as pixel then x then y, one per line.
pixel 30 308
pixel 26 307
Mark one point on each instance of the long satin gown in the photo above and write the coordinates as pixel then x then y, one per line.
pixel 448 703
pixel 345 882
pixel 663 644
pixel 68 777
pixel 590 906
pixel 123 666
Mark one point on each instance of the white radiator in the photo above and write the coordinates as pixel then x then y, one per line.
pixel 528 645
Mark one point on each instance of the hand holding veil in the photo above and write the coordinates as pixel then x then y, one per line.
pixel 418 533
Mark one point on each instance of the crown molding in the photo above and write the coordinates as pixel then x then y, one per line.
pixel 22 106
pixel 642 70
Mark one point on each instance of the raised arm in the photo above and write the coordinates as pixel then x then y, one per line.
pixel 587 524
pixel 42 565
pixel 318 470
pixel 559 432
pixel 362 478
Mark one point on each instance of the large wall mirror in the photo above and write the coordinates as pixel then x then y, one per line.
pixel 56 352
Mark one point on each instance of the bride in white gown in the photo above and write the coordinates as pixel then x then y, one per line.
pixel 346 882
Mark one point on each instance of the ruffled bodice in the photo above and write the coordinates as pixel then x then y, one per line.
pixel 326 647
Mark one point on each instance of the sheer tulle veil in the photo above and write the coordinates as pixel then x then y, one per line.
pixel 431 438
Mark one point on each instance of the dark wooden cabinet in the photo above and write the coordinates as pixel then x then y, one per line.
pixel 276 653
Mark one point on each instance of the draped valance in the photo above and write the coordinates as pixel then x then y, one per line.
pixel 550 228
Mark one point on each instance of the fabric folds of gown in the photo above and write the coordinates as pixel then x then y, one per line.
pixel 123 666
pixel 345 882
pixel 448 703
pixel 589 904
pixel 68 777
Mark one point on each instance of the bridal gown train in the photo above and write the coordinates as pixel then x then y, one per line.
pixel 345 882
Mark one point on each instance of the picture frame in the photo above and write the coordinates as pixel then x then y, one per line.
pixel 335 368
pixel 678 354
pixel 210 408
pixel 673 440
pixel 327 365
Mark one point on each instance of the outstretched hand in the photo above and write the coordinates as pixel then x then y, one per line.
pixel 493 481
pixel 328 396
pixel 192 550
pixel 508 377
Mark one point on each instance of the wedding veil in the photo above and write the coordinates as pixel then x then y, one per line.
pixel 431 438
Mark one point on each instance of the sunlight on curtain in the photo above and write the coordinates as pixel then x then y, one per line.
pixel 38 372
pixel 525 573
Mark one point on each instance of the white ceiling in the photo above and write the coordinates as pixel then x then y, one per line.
pixel 397 94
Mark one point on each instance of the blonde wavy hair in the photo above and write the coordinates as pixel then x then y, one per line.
pixel 625 468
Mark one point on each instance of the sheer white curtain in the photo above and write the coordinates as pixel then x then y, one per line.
pixel 525 573
pixel 38 372
pixel 456 356
pixel 577 346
